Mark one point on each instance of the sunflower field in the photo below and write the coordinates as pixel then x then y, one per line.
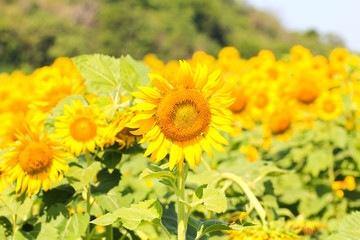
pixel 98 147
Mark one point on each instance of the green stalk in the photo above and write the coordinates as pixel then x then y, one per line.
pixel 88 196
pixel 251 196
pixel 109 232
pixel 182 217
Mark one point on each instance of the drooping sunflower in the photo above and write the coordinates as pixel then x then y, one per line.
pixel 182 117
pixel 118 132
pixel 36 160
pixel 81 128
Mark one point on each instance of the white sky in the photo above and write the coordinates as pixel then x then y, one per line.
pixel 341 17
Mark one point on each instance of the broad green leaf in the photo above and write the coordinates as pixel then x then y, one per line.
pixel 47 232
pixel 348 228
pixel 90 172
pixel 73 227
pixel 318 161
pixel 6 226
pixel 339 136
pixel 213 199
pixel 147 173
pixel 111 158
pixel 146 211
pixel 215 226
pixel 100 72
pixel 169 221
pixel 19 204
pixel 106 181
pixel 105 220
pixel 129 78
pixel 141 69
pixel 60 194
pixel 114 199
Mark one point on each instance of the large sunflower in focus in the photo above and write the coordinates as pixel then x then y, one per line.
pixel 183 116
pixel 81 128
pixel 36 160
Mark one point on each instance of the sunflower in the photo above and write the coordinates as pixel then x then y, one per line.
pixel 81 128
pixel 3 183
pixel 183 116
pixel 118 132
pixel 280 123
pixel 329 106
pixel 36 160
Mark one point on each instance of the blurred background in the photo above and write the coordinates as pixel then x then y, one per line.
pixel 34 32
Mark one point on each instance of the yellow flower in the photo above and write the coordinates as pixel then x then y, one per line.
pixel 279 123
pixel 350 183
pixel 183 116
pixel 36 160
pixel 340 193
pixel 329 106
pixel 117 131
pixel 53 83
pixel 250 152
pixel 81 128
pixel 339 57
pixel 3 183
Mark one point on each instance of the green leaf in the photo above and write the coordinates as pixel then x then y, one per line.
pixel 114 199
pixel 169 221
pixel 111 158
pixel 105 220
pixel 6 225
pixel 60 194
pixel 106 181
pixel 19 204
pixel 73 227
pixel 167 175
pixel 90 172
pixel 100 72
pixel 141 69
pixel 146 211
pixel 318 161
pixel 339 136
pixel 348 228
pixel 129 78
pixel 215 226
pixel 213 199
pixel 47 231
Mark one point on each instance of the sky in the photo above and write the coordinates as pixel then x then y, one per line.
pixel 325 16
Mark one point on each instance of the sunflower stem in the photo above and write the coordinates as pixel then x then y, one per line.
pixel 182 217
pixel 109 232
pixel 88 196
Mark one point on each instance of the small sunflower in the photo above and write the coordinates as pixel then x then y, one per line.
pixel 183 116
pixel 35 161
pixel 118 132
pixel 329 106
pixel 81 128
pixel 279 123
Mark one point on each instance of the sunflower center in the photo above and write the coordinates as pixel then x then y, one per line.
pixel 261 101
pixel 329 106
pixel 240 101
pixel 279 124
pixel 183 114
pixel 307 94
pixel 82 129
pixel 35 157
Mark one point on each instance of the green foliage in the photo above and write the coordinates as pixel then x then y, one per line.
pixel 348 228
pixel 171 29
pixel 213 199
